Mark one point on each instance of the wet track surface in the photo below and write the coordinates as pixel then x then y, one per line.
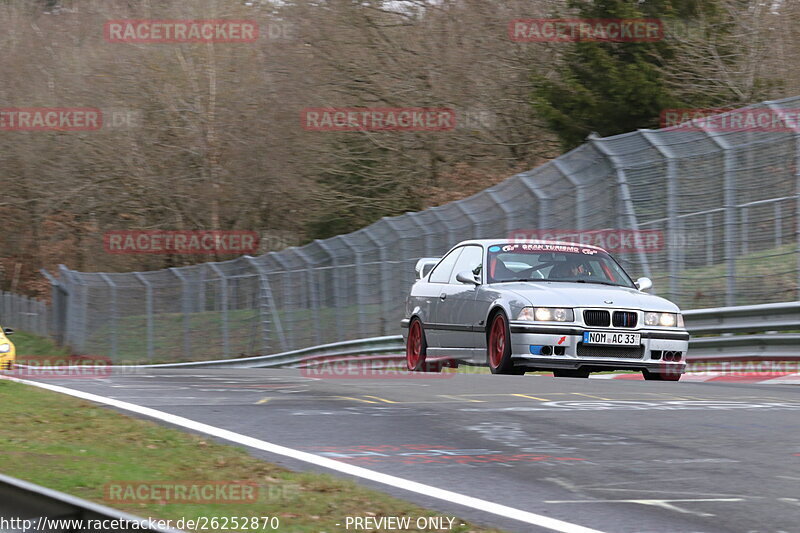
pixel 616 455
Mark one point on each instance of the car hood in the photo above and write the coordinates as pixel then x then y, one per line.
pixel 552 294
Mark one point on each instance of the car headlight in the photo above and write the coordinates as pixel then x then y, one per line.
pixel 5 347
pixel 546 314
pixel 668 320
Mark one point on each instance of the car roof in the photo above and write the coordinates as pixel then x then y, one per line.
pixel 490 242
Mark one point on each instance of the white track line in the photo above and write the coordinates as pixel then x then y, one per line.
pixel 393 481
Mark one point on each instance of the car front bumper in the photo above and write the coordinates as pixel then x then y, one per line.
pixel 660 350
pixel 7 362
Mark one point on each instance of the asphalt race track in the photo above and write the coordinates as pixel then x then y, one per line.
pixel 615 455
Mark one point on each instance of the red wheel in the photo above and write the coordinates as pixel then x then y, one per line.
pixel 499 347
pixel 416 346
pixel 497 341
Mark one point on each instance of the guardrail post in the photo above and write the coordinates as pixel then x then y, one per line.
pixel 223 308
pixel 113 315
pixel 186 310
pixel 148 313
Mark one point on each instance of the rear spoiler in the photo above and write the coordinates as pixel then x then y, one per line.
pixel 425 265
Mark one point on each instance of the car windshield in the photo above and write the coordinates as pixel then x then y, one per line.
pixel 553 262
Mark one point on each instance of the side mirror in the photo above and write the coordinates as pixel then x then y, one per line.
pixel 424 266
pixel 467 277
pixel 644 284
pixel 8 331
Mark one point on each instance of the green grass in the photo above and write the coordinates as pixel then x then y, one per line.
pixel 76 447
pixel 28 344
pixel 771 276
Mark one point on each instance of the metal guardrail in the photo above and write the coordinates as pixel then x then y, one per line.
pixel 49 510
pixel 744 332
pixel 390 345
pixel 723 333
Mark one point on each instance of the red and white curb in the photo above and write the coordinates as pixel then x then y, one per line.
pixel 770 378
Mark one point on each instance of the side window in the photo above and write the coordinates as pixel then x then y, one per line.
pixel 471 259
pixel 441 273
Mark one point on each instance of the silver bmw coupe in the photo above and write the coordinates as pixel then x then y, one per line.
pixel 520 306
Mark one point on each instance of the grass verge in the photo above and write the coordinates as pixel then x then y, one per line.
pixel 76 447
pixel 29 345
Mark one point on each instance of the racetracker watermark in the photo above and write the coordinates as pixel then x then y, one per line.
pixel 50 119
pixel 611 240
pixel 180 492
pixel 584 30
pixel 732 120
pixel 364 368
pixel 745 368
pixel 180 242
pixel 378 119
pixel 154 31
pixel 81 367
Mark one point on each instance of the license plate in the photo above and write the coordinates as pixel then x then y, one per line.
pixel 608 337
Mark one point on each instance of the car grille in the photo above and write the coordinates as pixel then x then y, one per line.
pixel 597 318
pixel 621 352
pixel 625 319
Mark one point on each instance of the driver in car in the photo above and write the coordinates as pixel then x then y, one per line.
pixel 571 268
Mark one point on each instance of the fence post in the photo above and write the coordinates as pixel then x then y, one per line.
pixel 75 322
pixel 57 316
pixel 796 133
pixel 580 208
pixel 148 313
pixel 542 200
pixel 509 219
pixel 186 310
pixel 360 279
pixel 266 305
pixel 673 224
pixel 113 314
pixel 313 296
pixel 223 308
pixel 729 194
pixel 627 199
pixel 744 233
pixel 334 288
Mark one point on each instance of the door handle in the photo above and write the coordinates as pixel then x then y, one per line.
pixel 443 296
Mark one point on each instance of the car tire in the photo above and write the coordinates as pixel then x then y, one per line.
pixel 417 349
pixel 498 347
pixel 571 373
pixel 660 376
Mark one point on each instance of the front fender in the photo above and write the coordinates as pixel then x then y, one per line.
pixel 511 304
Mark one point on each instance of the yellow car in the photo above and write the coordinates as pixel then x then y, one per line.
pixel 7 351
